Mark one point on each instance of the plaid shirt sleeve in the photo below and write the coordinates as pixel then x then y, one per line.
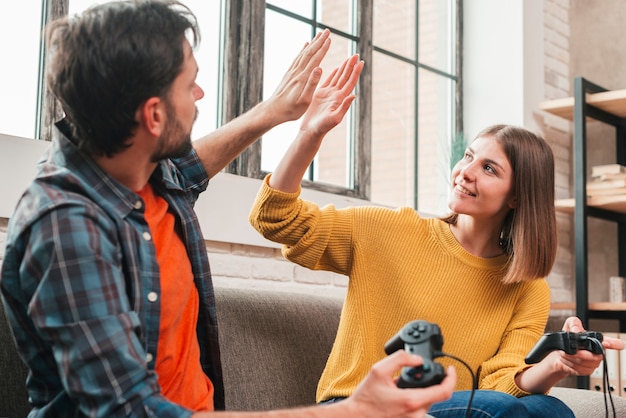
pixel 79 307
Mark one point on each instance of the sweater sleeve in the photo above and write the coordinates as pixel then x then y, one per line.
pixel 524 330
pixel 313 237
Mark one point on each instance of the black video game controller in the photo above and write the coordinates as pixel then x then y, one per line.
pixel 570 342
pixel 424 339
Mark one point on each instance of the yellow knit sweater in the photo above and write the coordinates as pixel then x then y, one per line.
pixel 403 267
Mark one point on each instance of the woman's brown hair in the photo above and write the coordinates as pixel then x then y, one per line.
pixel 528 234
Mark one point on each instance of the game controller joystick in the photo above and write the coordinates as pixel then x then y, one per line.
pixel 424 339
pixel 570 342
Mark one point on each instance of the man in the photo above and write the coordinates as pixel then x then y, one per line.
pixel 105 279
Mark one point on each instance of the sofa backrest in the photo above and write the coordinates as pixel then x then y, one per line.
pixel 274 346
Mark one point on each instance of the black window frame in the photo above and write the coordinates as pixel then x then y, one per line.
pixel 242 83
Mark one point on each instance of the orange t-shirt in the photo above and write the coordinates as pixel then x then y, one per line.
pixel 178 367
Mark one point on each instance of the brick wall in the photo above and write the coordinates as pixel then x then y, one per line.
pixel 234 265
pixel 251 266
pixel 558 133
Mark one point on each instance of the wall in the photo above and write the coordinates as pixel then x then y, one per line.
pixel 598 55
pixel 558 132
pixel 585 42
pixel 516 56
pixel 239 255
pixel 582 39
pixel 503 62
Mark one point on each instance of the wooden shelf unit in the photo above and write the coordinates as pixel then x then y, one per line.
pixel 613 102
pixel 615 203
pixel 592 102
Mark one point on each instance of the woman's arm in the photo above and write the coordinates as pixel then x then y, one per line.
pixel 290 100
pixel 558 365
pixel 330 103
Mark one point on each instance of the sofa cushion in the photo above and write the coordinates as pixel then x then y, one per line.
pixel 588 403
pixel 13 372
pixel 274 346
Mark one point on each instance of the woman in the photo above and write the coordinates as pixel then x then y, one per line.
pixel 477 273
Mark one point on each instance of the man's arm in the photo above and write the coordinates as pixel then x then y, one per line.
pixel 377 396
pixel 290 100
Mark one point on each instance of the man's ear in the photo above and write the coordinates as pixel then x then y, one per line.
pixel 151 116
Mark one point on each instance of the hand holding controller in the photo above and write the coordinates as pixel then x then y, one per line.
pixel 570 342
pixel 424 339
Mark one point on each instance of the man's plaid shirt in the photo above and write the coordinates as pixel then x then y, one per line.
pixel 80 285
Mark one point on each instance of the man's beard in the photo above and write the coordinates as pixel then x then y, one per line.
pixel 174 142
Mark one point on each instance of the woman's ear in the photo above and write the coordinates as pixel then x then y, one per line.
pixel 151 116
pixel 513 202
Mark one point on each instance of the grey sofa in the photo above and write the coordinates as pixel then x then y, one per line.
pixel 274 347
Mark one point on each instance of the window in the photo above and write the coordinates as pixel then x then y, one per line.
pixel 394 148
pixel 287 25
pixel 399 140
pixel 22 86
pixel 20 23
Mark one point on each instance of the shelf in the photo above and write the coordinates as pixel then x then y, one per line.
pixel 610 101
pixel 613 203
pixel 592 102
pixel 593 306
pixel 607 306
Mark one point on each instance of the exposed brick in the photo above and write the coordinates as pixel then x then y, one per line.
pixel 231 266
pixel 340 280
pixel 552 36
pixel 218 247
pixel 272 269
pixel 559 295
pixel 561 68
pixel 557 10
pixel 563 4
pixel 560 27
pixel 304 275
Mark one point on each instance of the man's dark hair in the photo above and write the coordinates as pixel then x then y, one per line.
pixel 104 63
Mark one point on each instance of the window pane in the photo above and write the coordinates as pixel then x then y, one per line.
pixel 207 55
pixel 337 14
pixel 334 162
pixel 435 110
pixel 393 132
pixel 77 6
pixel 284 38
pixel 394 26
pixel 301 7
pixel 19 81
pixel 436 34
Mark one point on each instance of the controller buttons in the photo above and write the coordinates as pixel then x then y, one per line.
pixel 417 330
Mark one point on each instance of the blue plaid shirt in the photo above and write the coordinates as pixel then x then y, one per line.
pixel 80 285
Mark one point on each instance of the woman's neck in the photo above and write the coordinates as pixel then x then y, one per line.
pixel 481 239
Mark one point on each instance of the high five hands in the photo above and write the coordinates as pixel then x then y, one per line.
pixel 332 98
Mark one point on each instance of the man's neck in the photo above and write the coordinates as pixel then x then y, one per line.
pixel 128 168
